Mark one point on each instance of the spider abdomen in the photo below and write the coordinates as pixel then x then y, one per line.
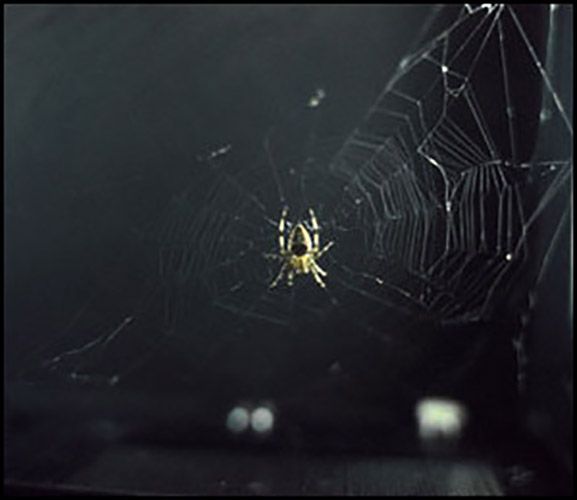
pixel 299 249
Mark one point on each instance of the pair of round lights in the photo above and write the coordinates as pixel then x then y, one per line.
pixel 240 419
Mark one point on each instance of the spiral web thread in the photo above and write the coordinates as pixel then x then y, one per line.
pixel 429 201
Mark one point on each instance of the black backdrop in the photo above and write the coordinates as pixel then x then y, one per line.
pixel 106 110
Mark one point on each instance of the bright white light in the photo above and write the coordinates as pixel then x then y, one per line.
pixel 238 419
pixel 262 420
pixel 317 98
pixel 509 256
pixel 440 418
pixel 444 69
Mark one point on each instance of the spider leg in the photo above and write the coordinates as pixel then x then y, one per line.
pixel 325 249
pixel 290 277
pixel 281 230
pixel 317 277
pixel 319 269
pixel 279 276
pixel 315 225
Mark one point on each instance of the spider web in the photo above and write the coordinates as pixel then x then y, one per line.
pixel 430 209
pixel 432 202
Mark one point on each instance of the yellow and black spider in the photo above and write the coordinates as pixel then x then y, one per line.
pixel 300 251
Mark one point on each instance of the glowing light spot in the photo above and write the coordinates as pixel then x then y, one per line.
pixel 437 417
pixel 545 115
pixel 238 420
pixel 219 152
pixel 316 99
pixel 444 69
pixel 509 257
pixel 262 420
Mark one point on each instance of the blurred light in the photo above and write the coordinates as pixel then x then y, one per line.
pixel 316 98
pixel 262 420
pixel 238 420
pixel 335 368
pixel 257 488
pixel 438 417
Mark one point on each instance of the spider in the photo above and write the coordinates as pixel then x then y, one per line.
pixel 299 254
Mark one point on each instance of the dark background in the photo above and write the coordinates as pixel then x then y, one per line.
pixel 107 109
pixel 106 112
